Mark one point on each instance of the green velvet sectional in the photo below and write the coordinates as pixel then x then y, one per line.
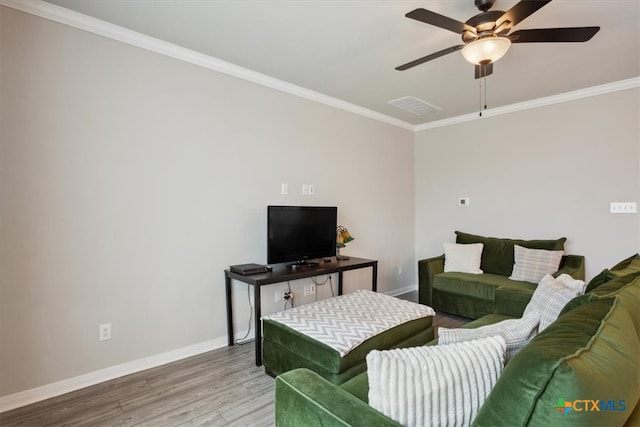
pixel 476 295
pixel 582 370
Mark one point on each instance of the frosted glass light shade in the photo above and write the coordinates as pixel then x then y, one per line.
pixel 486 50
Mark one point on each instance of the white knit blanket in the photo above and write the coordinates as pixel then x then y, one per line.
pixel 346 321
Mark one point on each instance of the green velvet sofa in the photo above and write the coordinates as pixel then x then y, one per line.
pixel 476 295
pixel 587 360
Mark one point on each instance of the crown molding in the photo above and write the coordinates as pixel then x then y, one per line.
pixel 77 20
pixel 535 103
pixel 83 22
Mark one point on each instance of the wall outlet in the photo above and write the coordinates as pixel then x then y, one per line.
pixel 463 201
pixel 309 289
pixel 623 207
pixel 305 189
pixel 279 296
pixel 105 332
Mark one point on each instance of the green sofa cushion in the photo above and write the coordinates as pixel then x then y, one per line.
pixel 603 277
pixel 358 386
pixel 480 286
pixel 603 284
pixel 632 268
pixel 627 267
pixel 497 254
pixel 625 262
pixel 590 353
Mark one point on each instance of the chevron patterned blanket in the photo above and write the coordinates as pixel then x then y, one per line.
pixel 346 321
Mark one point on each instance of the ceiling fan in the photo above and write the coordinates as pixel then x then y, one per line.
pixel 486 35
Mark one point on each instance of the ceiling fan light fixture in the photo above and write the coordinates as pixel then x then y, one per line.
pixel 486 50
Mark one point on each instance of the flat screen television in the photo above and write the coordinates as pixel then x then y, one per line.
pixel 299 234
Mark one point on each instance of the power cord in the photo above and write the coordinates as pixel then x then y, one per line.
pixel 331 286
pixel 327 278
pixel 244 339
pixel 288 296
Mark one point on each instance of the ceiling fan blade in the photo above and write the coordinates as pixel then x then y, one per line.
pixel 554 35
pixel 483 70
pixel 429 57
pixel 435 19
pixel 521 11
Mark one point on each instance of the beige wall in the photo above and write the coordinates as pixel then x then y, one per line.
pixel 129 181
pixel 542 173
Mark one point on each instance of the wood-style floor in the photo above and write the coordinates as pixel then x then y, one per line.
pixel 218 388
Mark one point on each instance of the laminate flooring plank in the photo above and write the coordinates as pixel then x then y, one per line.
pixel 259 417
pixel 211 419
pixel 71 403
pixel 243 410
pixel 88 417
pixel 220 354
pixel 210 369
pixel 197 408
pixel 191 384
pixel 174 401
pixel 259 384
pixel 445 320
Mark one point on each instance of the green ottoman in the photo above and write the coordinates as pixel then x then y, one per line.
pixel 333 337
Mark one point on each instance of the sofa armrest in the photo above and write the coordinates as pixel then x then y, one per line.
pixel 427 268
pixel 304 398
pixel 573 265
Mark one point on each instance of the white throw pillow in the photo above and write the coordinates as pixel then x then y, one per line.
pixel 438 385
pixel 532 264
pixel 516 332
pixel 462 258
pixel 551 295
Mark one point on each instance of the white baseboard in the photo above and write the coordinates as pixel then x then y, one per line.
pixel 48 391
pixel 406 289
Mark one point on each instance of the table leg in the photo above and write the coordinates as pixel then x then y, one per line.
pixel 374 278
pixel 258 324
pixel 227 285
pixel 339 282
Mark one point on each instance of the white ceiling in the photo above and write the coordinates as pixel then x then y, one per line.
pixel 348 49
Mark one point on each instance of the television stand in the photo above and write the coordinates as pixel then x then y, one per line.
pixel 281 273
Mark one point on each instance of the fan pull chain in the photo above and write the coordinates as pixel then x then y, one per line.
pixel 482 80
pixel 485 92
pixel 480 96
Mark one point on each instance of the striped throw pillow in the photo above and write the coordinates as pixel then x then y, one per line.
pixel 516 332
pixel 551 295
pixel 532 264
pixel 434 386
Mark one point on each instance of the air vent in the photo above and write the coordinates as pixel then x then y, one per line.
pixel 414 105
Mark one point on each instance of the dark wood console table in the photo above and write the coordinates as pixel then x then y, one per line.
pixel 280 274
